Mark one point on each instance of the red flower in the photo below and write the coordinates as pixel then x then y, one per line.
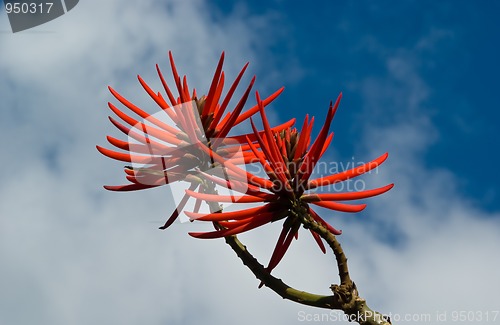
pixel 288 159
pixel 163 152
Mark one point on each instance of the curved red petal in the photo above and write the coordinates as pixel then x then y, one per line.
pixel 340 206
pixel 165 86
pixel 251 136
pixel 218 114
pixel 210 101
pixel 166 133
pixel 233 215
pixel 280 250
pixel 228 198
pixel 230 122
pixel 233 231
pixel 179 208
pixel 318 241
pixel 351 173
pixel 128 187
pixel 245 115
pixel 346 196
pixel 177 79
pixel 324 223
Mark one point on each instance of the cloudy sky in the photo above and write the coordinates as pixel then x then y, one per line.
pixel 419 80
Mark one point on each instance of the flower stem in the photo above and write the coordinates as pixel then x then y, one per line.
pixel 277 285
pixel 345 297
pixel 346 294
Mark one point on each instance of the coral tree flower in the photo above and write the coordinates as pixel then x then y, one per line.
pixel 169 152
pixel 288 158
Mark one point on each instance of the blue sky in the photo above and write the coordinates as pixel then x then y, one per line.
pixel 452 45
pixel 419 80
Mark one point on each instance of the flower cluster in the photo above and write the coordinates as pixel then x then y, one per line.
pixel 171 145
pixel 197 148
pixel 288 157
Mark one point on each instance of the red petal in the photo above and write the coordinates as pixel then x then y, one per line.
pixel 187 96
pixel 272 166
pixel 194 129
pixel 226 127
pixel 326 145
pixel 179 207
pixel 346 196
pixel 152 148
pixel 280 251
pixel 260 156
pixel 165 86
pixel 235 185
pixel 312 156
pixel 218 114
pixel 128 187
pixel 304 137
pixel 339 177
pixel 131 158
pixel 213 87
pixel 124 145
pixel 177 79
pixel 228 198
pixel 120 155
pixel 341 206
pixel 234 231
pixel 158 99
pixel 237 223
pixel 318 240
pixel 218 93
pixel 273 149
pixel 139 112
pixel 324 223
pixel 153 179
pixel 255 109
pixel 251 136
pixel 166 133
pixel 233 215
pixel 246 158
pixel 278 247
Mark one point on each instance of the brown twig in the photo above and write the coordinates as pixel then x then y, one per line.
pixel 345 296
